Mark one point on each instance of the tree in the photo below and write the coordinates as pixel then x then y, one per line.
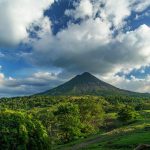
pixel 47 118
pixel 68 119
pixel 19 131
pixel 91 113
pixel 127 113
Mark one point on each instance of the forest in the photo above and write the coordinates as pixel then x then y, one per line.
pixel 65 122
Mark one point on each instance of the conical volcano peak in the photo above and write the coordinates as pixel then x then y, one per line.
pixel 86 84
pixel 86 74
pixel 84 78
pixel 83 84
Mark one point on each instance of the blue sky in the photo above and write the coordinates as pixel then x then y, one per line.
pixel 45 43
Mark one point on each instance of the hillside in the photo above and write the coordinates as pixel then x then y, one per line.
pixel 121 138
pixel 87 84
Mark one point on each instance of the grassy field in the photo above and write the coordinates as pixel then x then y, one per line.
pixel 125 137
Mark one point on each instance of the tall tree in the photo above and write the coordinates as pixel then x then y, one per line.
pixel 69 124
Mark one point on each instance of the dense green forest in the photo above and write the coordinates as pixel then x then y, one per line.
pixel 61 122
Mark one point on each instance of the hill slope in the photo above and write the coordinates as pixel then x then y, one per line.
pixel 87 84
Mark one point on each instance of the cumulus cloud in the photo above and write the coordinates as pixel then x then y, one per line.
pixel 37 82
pixel 141 5
pixel 17 16
pixel 90 47
pixel 97 43
pixel 115 11
pixel 67 48
pixel 133 84
pixel 83 9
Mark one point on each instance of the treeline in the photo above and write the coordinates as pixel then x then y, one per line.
pixel 138 103
pixel 30 102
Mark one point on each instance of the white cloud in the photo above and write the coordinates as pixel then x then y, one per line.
pixel 83 9
pixel 115 11
pixel 91 47
pixel 135 47
pixel 69 45
pixel 141 5
pixel 37 82
pixel 112 11
pixel 133 84
pixel 45 75
pixel 17 16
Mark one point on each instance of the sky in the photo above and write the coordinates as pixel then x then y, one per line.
pixel 44 43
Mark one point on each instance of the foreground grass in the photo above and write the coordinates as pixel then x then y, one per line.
pixel 123 138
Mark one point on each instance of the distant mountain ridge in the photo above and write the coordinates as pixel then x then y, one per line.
pixel 87 84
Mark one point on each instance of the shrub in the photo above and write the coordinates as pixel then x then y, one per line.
pixel 18 131
pixel 127 114
pixel 68 121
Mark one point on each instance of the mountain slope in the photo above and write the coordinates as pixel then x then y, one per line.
pixel 87 84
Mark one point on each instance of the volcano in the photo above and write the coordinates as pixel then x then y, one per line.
pixel 87 84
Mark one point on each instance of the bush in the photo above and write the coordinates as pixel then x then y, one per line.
pixel 91 114
pixel 68 121
pixel 47 118
pixel 18 131
pixel 127 114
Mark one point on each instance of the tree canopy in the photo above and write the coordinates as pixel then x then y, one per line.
pixel 19 131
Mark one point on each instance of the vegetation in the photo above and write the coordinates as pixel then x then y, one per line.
pixel 68 119
pixel 61 122
pixel 127 114
pixel 20 131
